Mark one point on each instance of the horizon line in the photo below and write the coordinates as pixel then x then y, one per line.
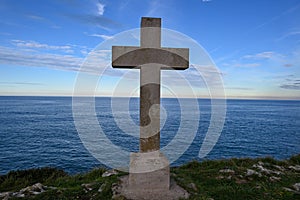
pixel 166 97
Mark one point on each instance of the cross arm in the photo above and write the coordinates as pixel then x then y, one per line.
pixel 131 57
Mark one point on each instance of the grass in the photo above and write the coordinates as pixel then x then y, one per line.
pixel 203 180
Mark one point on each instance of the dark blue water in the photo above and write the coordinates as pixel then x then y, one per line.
pixel 40 131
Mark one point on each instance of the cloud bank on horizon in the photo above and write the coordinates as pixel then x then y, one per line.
pixel 257 53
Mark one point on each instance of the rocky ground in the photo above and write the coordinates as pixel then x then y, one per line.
pixel 264 178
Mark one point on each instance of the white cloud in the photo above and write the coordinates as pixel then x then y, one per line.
pixel 100 8
pixel 237 64
pixel 33 44
pixel 35 17
pixel 263 55
pixel 104 37
pixel 13 56
pixel 292 33
pixel 22 57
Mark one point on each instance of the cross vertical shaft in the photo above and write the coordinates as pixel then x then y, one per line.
pixel 150 37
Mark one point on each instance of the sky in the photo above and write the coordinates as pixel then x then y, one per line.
pixel 255 45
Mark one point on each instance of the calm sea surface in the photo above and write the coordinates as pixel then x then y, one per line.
pixel 40 131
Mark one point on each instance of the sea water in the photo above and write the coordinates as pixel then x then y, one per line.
pixel 40 131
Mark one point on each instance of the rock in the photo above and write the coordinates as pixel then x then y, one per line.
pixel 34 189
pixel 193 186
pixel 274 178
pixel 101 188
pixel 88 186
pixel 288 189
pixel 296 167
pixel 227 171
pixel 258 187
pixel 5 195
pixel 265 170
pixel 260 163
pixel 279 168
pixel 115 189
pixel 17 194
pixel 27 191
pixel 296 186
pixel 219 177
pixel 109 173
pixel 251 172
pixel 291 190
pixel 6 198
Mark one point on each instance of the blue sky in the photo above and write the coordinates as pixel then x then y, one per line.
pixel 255 44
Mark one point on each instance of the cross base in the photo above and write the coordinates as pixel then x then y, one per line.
pixel 149 171
pixel 149 179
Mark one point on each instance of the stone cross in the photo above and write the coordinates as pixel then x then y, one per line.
pixel 150 58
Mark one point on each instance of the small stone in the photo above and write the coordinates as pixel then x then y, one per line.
pixel 5 194
pixel 109 173
pixel 279 167
pixel 88 186
pixel 35 193
pixel 251 172
pixel 296 186
pixel 227 171
pixel 6 198
pixel 260 163
pixel 296 167
pixel 265 170
pixel 258 187
pixel 274 178
pixel 229 177
pixel 101 188
pixel 39 186
pixel 19 195
pixel 219 177
pixel 290 190
pixel 193 186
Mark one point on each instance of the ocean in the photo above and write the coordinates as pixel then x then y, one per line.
pixel 40 131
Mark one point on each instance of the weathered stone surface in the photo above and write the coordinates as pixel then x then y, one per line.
pixel 135 57
pixel 175 192
pixel 149 171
